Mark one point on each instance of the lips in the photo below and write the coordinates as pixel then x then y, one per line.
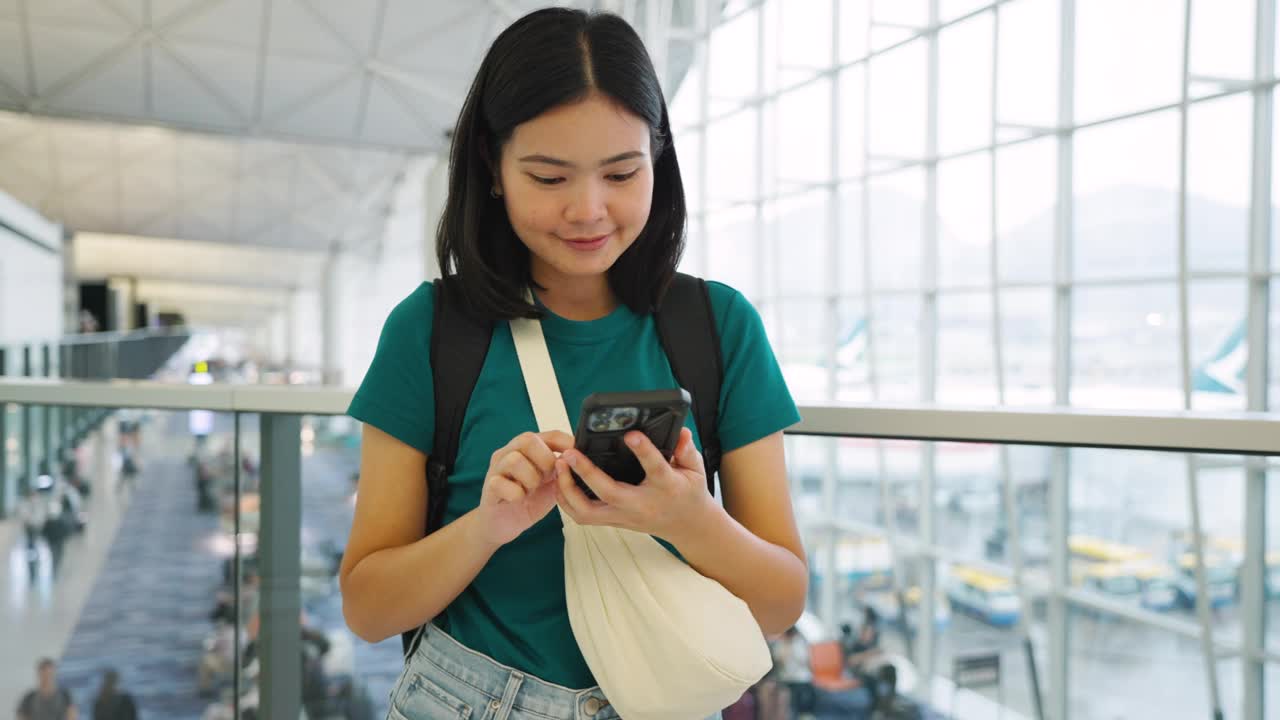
pixel 588 243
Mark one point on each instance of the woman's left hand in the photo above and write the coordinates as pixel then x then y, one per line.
pixel 672 500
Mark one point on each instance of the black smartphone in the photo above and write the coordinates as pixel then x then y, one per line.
pixel 606 418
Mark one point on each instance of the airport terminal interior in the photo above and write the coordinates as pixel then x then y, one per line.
pixel 1018 260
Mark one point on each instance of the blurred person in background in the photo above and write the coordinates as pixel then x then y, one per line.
pixel 47 701
pixel 112 703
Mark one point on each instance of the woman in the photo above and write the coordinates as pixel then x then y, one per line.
pixel 563 182
pixel 113 703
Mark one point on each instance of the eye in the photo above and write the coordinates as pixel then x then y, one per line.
pixel 546 180
pixel 623 177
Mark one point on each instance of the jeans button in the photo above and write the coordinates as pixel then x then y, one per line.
pixel 495 704
pixel 593 706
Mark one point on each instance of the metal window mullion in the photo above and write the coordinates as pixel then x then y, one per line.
pixel 1253 572
pixel 929 354
pixel 702 9
pixel 762 246
pixel 1184 357
pixel 873 375
pixel 1060 464
pixel 7 494
pixel 832 305
pixel 1013 533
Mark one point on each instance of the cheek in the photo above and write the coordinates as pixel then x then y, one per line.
pixel 633 209
pixel 532 216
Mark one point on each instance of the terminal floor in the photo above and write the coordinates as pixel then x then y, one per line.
pixel 135 591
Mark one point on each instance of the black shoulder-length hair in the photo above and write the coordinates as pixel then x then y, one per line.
pixel 546 59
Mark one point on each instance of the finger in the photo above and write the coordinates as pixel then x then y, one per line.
pixel 650 457
pixel 517 467
pixel 556 440
pixel 535 448
pixel 581 508
pixel 506 489
pixel 569 496
pixel 610 491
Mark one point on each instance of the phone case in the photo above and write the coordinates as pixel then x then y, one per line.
pixel 606 418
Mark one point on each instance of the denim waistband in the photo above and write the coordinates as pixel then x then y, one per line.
pixel 446 679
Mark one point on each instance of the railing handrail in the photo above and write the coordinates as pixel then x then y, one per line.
pixel 1241 433
pixel 104 336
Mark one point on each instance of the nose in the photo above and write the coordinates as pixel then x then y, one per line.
pixel 586 204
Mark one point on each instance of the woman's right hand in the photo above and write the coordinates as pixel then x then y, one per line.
pixel 520 488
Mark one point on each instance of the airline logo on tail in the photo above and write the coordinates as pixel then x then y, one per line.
pixel 1224 372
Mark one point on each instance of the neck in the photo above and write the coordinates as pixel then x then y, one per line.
pixel 574 297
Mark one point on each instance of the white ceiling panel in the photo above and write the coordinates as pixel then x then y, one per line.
pixel 181 95
pixel 292 83
pixel 297 70
pixel 356 23
pixel 13 61
pixel 234 23
pixel 406 23
pixel 332 114
pixel 112 87
pixel 297 29
pixel 391 120
pixel 91 13
pixel 229 126
pixel 229 73
pixel 61 52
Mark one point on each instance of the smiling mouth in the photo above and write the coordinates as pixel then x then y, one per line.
pixel 589 243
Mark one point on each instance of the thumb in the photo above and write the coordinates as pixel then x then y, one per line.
pixel 687 455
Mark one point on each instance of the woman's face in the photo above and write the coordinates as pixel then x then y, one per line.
pixel 578 182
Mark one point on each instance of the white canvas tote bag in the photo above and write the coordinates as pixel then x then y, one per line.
pixel 663 641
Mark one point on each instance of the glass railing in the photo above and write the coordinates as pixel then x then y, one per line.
pixel 1026 563
pixel 38 440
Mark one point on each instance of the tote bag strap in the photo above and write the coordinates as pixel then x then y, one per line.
pixel 540 379
pixel 539 376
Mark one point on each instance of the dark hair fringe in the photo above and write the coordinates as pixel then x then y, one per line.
pixel 475 240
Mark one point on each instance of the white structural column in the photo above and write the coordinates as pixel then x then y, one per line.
pixel 331 297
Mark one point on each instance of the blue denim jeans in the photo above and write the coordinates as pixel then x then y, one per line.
pixel 445 679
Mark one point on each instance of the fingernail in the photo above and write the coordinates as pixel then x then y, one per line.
pixel 571 459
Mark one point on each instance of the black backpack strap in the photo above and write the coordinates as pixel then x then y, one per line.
pixel 688 332
pixel 459 344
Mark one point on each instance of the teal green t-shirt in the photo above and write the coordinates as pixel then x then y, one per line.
pixel 515 610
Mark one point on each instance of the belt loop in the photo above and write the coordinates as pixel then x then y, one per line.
pixel 514 681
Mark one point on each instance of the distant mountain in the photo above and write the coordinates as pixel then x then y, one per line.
pixel 1133 231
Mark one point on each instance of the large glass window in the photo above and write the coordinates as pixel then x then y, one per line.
pixel 1060 247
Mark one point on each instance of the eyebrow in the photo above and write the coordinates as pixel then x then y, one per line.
pixel 548 160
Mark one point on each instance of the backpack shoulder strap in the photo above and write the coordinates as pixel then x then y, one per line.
pixel 459 344
pixel 688 332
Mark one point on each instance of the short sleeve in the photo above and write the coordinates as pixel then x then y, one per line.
pixel 397 395
pixel 754 399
